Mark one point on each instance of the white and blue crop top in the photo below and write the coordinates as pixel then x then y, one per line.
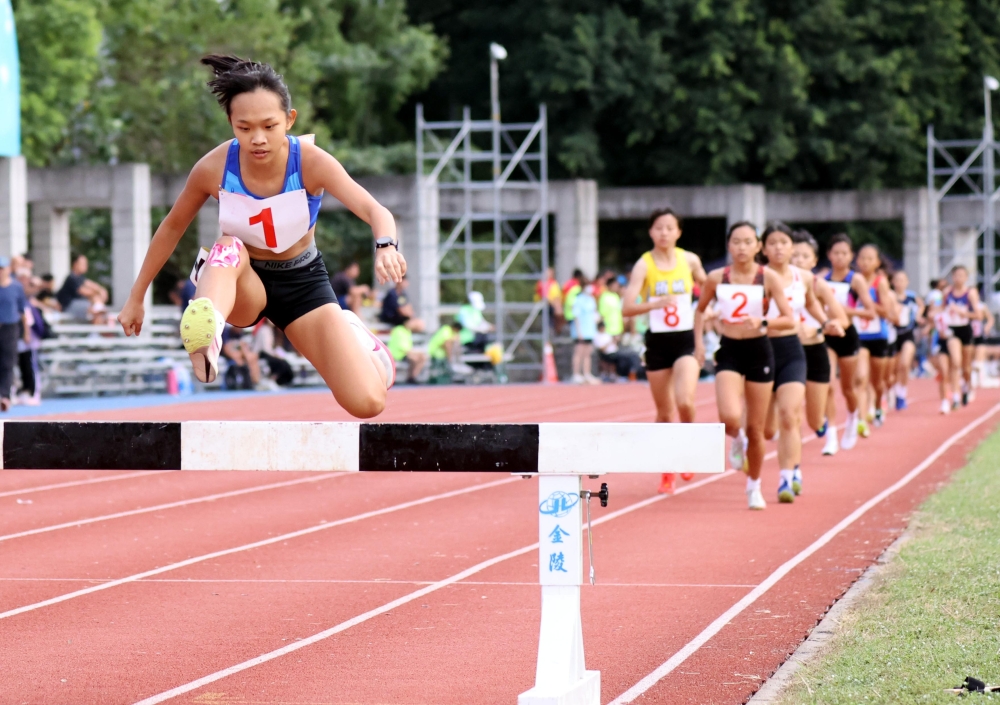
pixel 232 179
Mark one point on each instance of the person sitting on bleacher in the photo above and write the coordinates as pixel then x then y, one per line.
pixel 442 349
pixel 263 344
pixel 401 347
pixel 243 371
pixel 475 328
pixel 397 309
pixel 78 294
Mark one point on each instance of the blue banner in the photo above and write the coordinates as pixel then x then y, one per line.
pixel 10 85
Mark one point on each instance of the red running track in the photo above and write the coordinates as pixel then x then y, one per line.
pixel 119 590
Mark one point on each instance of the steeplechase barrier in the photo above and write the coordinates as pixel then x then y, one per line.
pixel 559 454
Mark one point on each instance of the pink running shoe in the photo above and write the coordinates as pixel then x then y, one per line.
pixel 371 343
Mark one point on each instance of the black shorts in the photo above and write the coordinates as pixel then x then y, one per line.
pixel 817 363
pixel 753 358
pixel 904 336
pixel 292 293
pixel 664 349
pixel 963 333
pixel 789 360
pixel 846 345
pixel 877 347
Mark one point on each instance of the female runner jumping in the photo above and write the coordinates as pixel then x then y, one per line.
pixel 265 265
pixel 805 255
pixel 665 278
pixel 789 357
pixel 744 362
pixel 851 289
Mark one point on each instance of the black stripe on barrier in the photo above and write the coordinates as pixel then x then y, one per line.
pixel 450 447
pixel 80 445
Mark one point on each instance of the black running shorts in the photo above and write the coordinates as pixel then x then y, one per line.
pixel 664 349
pixel 817 363
pixel 846 345
pixel 752 357
pixel 292 293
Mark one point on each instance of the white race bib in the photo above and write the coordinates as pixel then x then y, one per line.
pixel 941 324
pixel 673 317
pixel 740 301
pixel 841 291
pixel 868 325
pixel 274 223
pixel 904 315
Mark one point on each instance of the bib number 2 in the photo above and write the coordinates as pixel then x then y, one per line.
pixel 265 219
pixel 739 312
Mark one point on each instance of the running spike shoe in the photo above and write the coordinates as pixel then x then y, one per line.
pixel 822 430
pixel 370 342
pixel 201 331
pixel 666 483
pixel 831 447
pixel 786 495
pixel 797 481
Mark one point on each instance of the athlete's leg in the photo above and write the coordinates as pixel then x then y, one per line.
pixel 904 362
pixel 660 386
pixel 729 399
pixel 835 372
pixel 862 378
pixel 955 364
pixel 356 377
pixel 788 401
pixel 968 352
pixel 771 422
pixel 941 361
pixel 879 367
pixel 816 404
pixel 229 282
pixel 848 384
pixel 758 397
pixel 685 384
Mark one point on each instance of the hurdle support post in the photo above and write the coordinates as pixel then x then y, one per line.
pixel 561 677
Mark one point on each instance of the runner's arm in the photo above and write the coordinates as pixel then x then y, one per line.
pixel 776 292
pixel 813 305
pixel 707 297
pixel 859 285
pixel 833 308
pixel 696 267
pixel 634 290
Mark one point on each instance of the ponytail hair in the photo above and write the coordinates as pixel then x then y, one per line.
pixel 234 76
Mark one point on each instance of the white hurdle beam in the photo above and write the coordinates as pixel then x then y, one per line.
pixel 560 454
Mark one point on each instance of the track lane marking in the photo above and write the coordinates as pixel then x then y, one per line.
pixel 726 617
pixel 77 483
pixel 173 505
pixel 250 546
pixel 372 581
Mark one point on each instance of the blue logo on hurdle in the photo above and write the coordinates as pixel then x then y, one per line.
pixel 558 504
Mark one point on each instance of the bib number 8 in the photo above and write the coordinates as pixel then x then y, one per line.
pixel 670 316
pixel 264 218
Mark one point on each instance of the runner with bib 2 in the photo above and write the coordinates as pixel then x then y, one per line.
pixel 744 363
pixel 664 278
pixel 266 265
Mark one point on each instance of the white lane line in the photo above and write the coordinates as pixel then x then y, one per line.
pixel 715 627
pixel 77 483
pixel 172 505
pixel 251 546
pixel 372 581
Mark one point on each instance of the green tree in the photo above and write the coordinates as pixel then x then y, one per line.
pixel 59 42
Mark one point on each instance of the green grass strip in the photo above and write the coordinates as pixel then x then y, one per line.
pixel 932 616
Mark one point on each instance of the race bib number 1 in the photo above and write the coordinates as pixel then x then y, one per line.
pixel 274 223
pixel 673 317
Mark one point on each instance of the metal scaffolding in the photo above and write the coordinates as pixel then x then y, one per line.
pixel 966 174
pixel 492 225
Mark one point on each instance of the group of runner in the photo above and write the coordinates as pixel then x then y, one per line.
pixel 783 331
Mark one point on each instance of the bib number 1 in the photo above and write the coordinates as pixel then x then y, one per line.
pixel 265 219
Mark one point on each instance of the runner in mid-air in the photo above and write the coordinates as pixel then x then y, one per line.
pixel 265 264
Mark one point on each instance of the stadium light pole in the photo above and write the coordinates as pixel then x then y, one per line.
pixel 990 84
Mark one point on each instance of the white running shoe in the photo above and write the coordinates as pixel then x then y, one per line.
pixel 755 499
pixel 577 379
pixel 945 406
pixel 832 446
pixel 371 343
pixel 201 331
pixel 850 438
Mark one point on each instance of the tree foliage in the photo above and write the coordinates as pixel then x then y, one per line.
pixel 136 92
pixel 789 93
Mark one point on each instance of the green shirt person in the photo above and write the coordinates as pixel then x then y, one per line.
pixel 470 315
pixel 440 346
pixel 610 308
pixel 400 342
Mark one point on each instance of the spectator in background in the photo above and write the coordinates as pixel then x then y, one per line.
pixel 607 353
pixel 397 309
pixel 15 323
pixel 585 318
pixel 609 305
pixel 442 346
pixel 182 293
pixel 571 289
pixel 549 290
pixel 243 371
pixel 474 335
pixel 401 348
pixel 45 296
pixel 78 293
pixel 28 345
pixel 262 343
pixel 349 293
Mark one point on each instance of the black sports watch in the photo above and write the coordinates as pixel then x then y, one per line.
pixel 386 242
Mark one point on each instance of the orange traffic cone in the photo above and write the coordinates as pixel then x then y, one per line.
pixel 549 374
